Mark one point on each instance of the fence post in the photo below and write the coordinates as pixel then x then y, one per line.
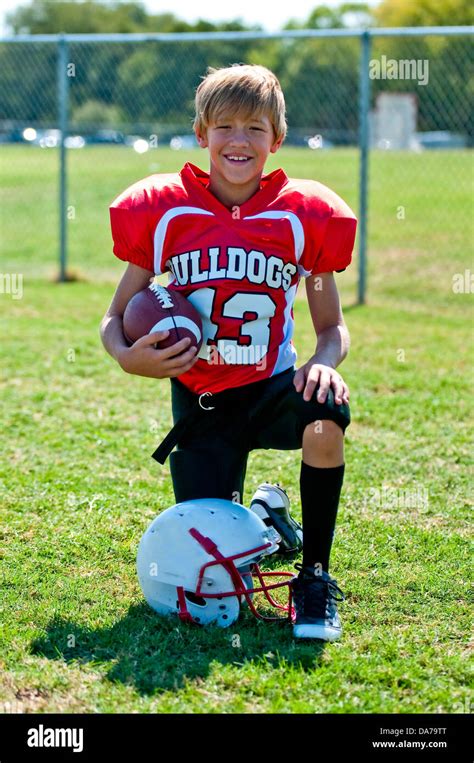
pixel 364 106
pixel 63 97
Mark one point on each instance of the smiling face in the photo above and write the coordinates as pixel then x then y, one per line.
pixel 238 149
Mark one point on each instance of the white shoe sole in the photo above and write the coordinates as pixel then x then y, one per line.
pixel 274 497
pixel 322 632
pixel 268 489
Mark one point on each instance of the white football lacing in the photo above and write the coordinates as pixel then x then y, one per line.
pixel 162 294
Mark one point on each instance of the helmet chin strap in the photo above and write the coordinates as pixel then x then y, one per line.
pixel 183 613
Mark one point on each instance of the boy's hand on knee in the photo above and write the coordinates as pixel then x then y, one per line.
pixel 143 359
pixel 313 375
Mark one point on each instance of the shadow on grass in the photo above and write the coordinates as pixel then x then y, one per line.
pixel 351 306
pixel 156 654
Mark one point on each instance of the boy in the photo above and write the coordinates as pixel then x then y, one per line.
pixel 236 242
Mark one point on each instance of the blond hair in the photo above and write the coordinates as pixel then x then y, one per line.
pixel 247 89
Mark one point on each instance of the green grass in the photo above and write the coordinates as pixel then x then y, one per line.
pixel 78 486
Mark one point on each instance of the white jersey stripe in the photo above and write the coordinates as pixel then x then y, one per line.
pixel 161 228
pixel 295 222
pixel 286 352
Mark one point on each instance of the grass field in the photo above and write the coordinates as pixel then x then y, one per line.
pixel 78 486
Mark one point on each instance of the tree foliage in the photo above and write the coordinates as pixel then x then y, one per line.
pixel 153 83
pixel 403 13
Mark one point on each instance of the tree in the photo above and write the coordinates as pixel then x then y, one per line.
pixel 44 17
pixel 95 113
pixel 339 17
pixel 402 13
pixel 93 16
pixel 445 103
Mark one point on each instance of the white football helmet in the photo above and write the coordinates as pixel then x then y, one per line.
pixel 198 559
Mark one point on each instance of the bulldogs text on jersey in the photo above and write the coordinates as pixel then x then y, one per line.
pixel 239 267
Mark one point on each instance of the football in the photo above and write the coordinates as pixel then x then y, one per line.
pixel 156 308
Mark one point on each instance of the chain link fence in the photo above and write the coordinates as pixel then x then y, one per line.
pixel 369 113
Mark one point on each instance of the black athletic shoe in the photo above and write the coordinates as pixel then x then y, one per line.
pixel 314 599
pixel 272 505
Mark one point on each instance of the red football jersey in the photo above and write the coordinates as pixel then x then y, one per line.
pixel 240 268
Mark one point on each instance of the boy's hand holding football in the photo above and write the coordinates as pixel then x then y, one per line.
pixel 143 359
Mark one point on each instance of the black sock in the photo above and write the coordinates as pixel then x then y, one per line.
pixel 320 491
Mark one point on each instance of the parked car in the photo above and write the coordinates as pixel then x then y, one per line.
pixel 106 136
pixel 318 141
pixel 178 142
pixel 75 141
pixel 440 139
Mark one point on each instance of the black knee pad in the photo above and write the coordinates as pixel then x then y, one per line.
pixel 329 410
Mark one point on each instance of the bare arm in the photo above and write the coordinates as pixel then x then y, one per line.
pixel 333 341
pixel 133 280
pixel 141 358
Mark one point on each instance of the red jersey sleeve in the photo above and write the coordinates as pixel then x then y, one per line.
pixel 330 232
pixel 131 228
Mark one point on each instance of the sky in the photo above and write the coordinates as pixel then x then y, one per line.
pixel 271 14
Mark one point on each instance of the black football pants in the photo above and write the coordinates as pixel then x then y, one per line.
pixel 211 458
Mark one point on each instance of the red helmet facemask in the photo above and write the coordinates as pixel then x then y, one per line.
pixel 240 587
